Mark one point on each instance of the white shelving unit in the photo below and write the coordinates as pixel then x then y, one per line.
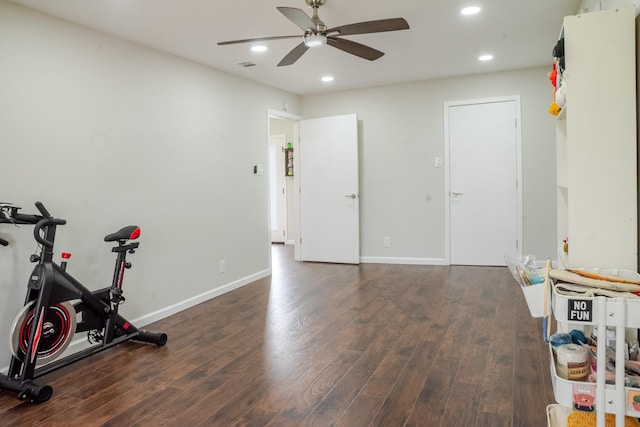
pixel 596 142
pixel 597 191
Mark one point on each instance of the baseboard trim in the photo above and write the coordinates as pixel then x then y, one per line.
pixel 397 260
pixel 195 300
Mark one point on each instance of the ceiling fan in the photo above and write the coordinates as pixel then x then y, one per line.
pixel 316 33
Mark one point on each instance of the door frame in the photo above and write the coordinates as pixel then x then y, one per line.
pixel 447 167
pixel 295 215
pixel 279 173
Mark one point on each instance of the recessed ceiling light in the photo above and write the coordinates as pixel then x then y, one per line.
pixel 485 57
pixel 258 48
pixel 471 10
pixel 327 79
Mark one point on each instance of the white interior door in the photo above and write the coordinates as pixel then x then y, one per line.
pixel 277 189
pixel 483 182
pixel 327 165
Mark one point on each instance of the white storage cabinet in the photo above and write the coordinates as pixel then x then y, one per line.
pixel 596 142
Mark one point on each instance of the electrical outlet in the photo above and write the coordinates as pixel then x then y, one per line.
pixel 387 241
pixel 223 265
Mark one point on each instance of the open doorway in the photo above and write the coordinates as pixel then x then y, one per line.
pixel 283 210
pixel 333 222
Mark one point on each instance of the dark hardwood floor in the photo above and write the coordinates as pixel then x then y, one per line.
pixel 321 345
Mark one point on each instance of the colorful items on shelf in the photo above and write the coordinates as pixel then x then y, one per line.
pixel 572 361
pixel 524 269
pixel 555 76
pixel 575 356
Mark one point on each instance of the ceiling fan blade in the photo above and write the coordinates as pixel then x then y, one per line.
pixel 294 55
pixel 298 17
pixel 258 39
pixel 355 48
pixel 379 26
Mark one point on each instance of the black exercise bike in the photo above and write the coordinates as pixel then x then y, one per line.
pixel 57 306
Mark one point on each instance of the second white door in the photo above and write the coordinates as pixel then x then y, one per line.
pixel 483 182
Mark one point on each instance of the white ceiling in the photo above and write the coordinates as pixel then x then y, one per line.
pixel 440 42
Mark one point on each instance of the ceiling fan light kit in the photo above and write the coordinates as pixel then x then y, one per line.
pixel 316 33
pixel 313 40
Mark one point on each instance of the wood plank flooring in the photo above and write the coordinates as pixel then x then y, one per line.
pixel 321 345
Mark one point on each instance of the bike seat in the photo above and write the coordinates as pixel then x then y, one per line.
pixel 129 232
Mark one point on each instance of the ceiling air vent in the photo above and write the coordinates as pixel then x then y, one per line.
pixel 246 64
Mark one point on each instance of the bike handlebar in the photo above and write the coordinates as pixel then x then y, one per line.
pixel 9 215
pixel 40 222
pixel 44 222
pixel 45 213
pixel 19 218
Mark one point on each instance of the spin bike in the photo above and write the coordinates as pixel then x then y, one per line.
pixel 57 306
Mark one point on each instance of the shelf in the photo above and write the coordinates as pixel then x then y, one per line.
pixel 592 135
pixel 601 216
pixel 576 312
pixel 564 305
pixel 581 395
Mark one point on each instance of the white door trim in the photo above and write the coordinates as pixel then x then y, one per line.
pixel 280 173
pixel 447 189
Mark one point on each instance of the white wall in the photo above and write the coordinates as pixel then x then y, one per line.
pixel 401 131
pixel 587 6
pixel 107 133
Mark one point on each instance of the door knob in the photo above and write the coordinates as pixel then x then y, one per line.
pixel 351 196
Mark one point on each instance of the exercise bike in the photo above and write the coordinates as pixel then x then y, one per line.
pixel 57 307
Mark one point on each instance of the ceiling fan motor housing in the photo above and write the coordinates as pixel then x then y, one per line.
pixel 320 26
pixel 315 3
